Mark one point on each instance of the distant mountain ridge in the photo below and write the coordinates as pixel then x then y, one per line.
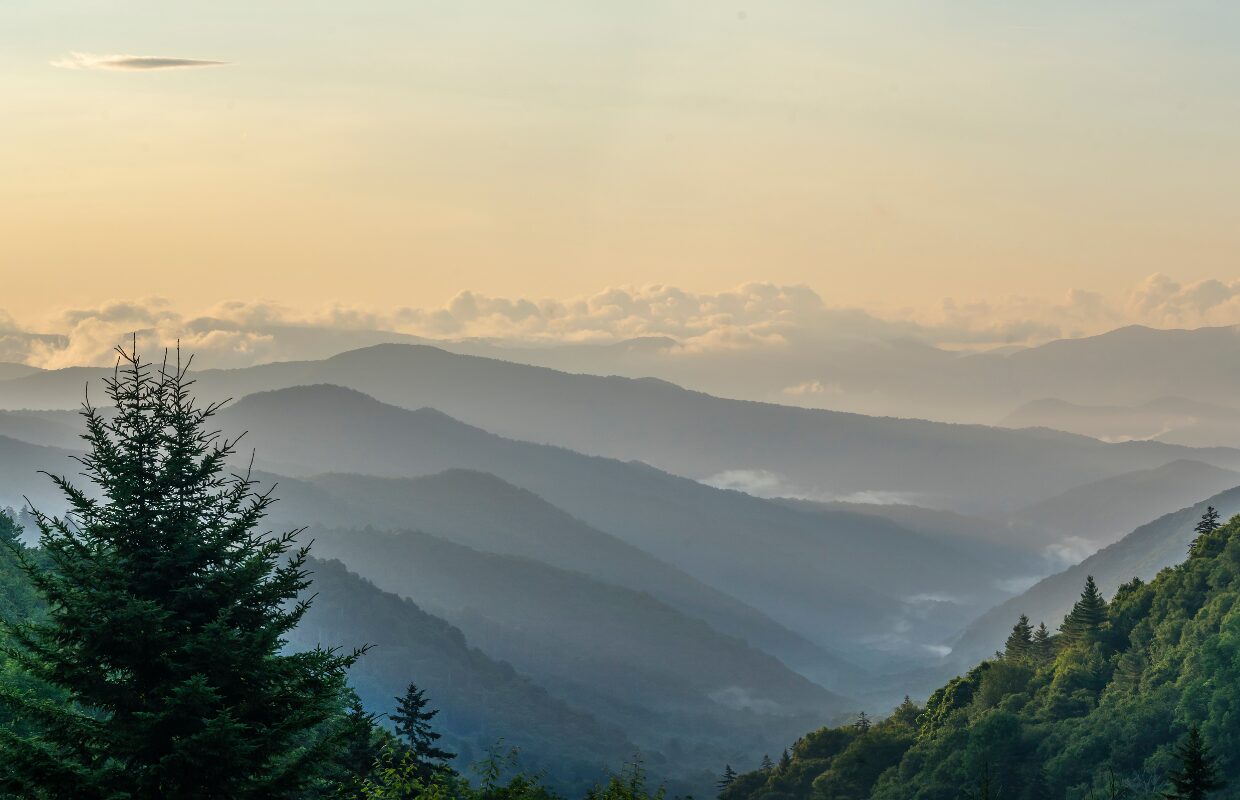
pixel 807 570
pixel 1104 510
pixel 1141 554
pixel 1175 420
pixel 814 453
pixel 486 513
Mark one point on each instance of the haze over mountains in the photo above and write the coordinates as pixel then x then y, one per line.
pixel 643 565
pixel 785 451
pixel 1141 554
pixel 861 367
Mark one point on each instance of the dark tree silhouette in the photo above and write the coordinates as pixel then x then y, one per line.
pixel 167 612
pixel 727 779
pixel 413 724
pixel 1208 524
pixel 1197 775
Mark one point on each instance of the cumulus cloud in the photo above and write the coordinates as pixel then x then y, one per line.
pixel 1159 300
pixel 758 318
pixel 753 315
pixel 130 62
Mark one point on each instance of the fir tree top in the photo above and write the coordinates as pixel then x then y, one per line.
pixel 727 779
pixel 1019 646
pixel 1209 521
pixel 413 724
pixel 168 609
pixel 1087 615
pixel 1207 525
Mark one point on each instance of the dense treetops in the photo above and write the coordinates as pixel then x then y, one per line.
pixel 1136 698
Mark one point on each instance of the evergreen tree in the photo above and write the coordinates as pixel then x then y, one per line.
pixel 167 616
pixel 362 743
pixel 785 761
pixel 767 764
pixel 862 723
pixel 726 780
pixel 413 725
pixel 10 530
pixel 1087 615
pixel 1043 647
pixel 906 713
pixel 1019 645
pixel 1197 775
pixel 1208 524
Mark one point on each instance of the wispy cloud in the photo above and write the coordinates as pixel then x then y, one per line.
pixel 130 63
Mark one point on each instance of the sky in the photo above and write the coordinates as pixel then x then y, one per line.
pixel 921 160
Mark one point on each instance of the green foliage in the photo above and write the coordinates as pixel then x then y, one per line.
pixel 1019 646
pixel 10 531
pixel 1196 776
pixel 838 763
pixel 630 783
pixel 1043 648
pixel 166 612
pixel 1137 699
pixel 1084 622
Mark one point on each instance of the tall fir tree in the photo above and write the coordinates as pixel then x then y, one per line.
pixel 1208 524
pixel 727 779
pixel 1019 646
pixel 785 761
pixel 1090 611
pixel 767 764
pixel 1197 775
pixel 1043 647
pixel 412 721
pixel 167 616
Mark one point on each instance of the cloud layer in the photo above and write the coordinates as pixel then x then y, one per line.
pixel 131 63
pixel 753 317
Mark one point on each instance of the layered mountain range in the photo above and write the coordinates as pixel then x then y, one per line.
pixel 584 565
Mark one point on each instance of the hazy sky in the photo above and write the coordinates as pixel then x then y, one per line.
pixel 395 153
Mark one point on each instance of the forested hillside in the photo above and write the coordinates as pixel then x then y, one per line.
pixel 1135 697
pixel 671 681
pixel 482 701
pixel 1141 554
